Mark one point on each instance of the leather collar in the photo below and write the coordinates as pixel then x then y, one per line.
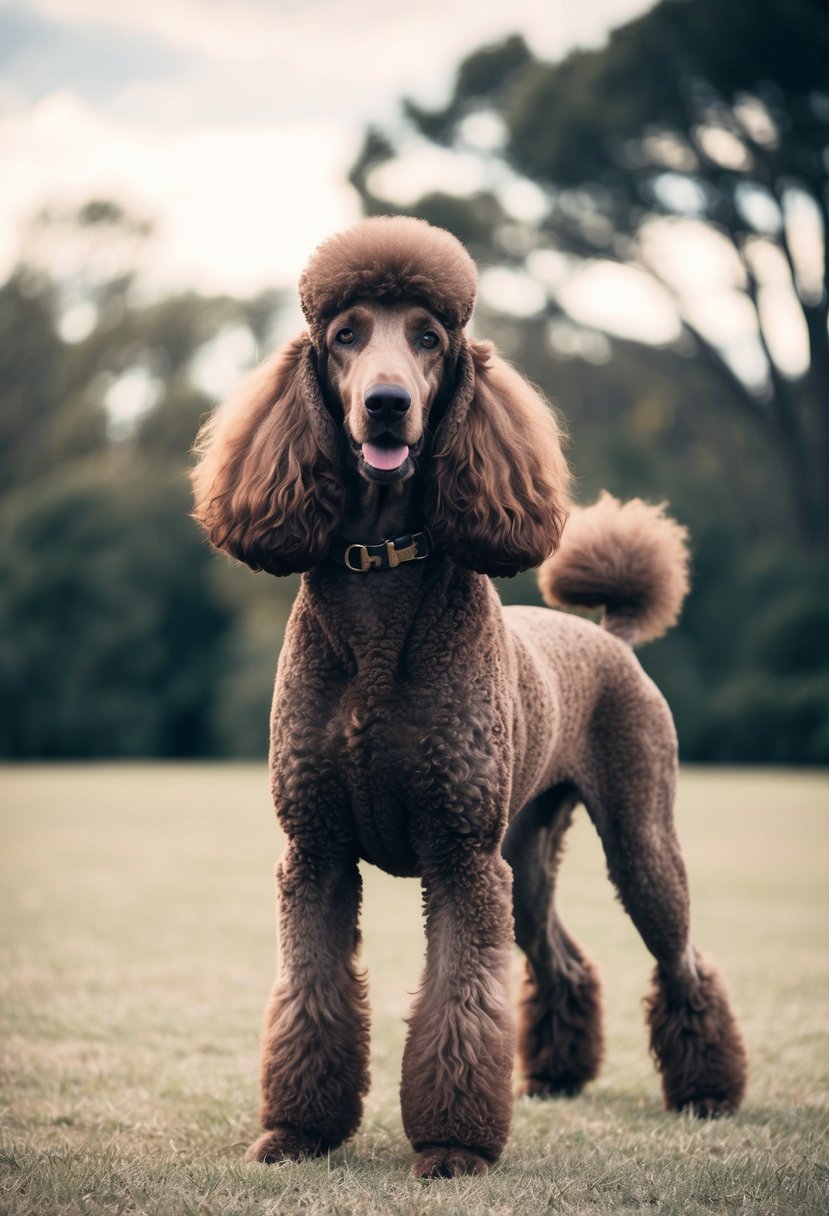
pixel 362 559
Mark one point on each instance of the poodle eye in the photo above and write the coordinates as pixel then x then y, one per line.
pixel 345 337
pixel 430 340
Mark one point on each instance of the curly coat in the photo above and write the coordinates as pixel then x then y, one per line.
pixel 420 726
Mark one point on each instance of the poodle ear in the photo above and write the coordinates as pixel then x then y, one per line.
pixel 267 487
pixel 498 498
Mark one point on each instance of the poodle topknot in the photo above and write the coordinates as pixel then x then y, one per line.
pixel 390 258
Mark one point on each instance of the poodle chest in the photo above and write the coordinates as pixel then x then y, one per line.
pixel 404 776
pixel 419 775
pixel 393 716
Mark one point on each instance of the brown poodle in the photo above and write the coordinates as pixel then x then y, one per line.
pixel 420 726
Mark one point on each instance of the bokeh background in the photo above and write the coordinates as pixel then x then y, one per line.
pixel 646 190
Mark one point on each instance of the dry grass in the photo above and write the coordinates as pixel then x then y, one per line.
pixel 138 947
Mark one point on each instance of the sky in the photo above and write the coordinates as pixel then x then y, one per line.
pixel 232 123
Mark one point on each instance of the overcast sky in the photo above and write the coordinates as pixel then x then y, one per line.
pixel 232 122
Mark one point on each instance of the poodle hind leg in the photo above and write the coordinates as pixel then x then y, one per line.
pixel 695 1040
pixel 694 1035
pixel 561 1042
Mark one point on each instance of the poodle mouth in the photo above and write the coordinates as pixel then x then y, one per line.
pixel 386 459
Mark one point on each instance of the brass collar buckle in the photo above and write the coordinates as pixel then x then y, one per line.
pixel 366 559
pixel 388 554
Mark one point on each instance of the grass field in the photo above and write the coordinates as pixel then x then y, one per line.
pixel 138 948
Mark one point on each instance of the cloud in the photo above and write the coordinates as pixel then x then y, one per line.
pixel 94 60
pixel 259 60
pixel 237 210
pixel 232 121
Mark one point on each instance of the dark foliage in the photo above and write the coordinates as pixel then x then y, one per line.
pixel 717 115
pixel 120 634
pixel 109 621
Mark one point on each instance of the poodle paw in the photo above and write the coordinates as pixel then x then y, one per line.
pixel 285 1144
pixel 549 1087
pixel 708 1107
pixel 441 1161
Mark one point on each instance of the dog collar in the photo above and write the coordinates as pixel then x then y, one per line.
pixel 362 559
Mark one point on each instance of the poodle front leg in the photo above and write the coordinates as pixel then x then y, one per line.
pixel 315 1042
pixel 456 1093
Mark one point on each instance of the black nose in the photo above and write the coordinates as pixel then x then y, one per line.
pixel 387 401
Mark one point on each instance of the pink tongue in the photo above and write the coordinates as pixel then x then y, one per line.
pixel 384 458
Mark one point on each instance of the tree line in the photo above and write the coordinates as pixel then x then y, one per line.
pixel 122 635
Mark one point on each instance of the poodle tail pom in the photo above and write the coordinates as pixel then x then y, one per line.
pixel 631 558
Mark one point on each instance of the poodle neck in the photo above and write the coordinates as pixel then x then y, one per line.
pixel 376 512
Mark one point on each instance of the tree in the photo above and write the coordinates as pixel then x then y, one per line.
pixel 698 119
pixel 112 631
pixel 118 628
